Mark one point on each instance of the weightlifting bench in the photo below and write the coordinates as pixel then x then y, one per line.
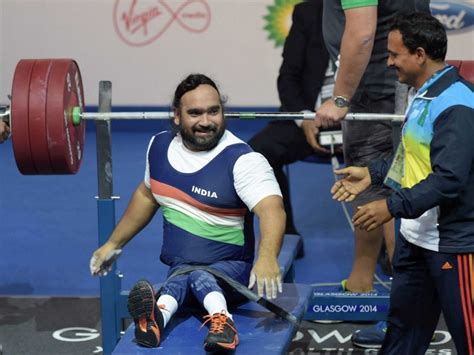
pixel 249 317
pixel 260 331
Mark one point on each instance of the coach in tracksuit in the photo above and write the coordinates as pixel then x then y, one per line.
pixel 433 177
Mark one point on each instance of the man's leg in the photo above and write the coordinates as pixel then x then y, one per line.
pixel 147 314
pixel 367 248
pixel 222 333
pixel 151 315
pixel 282 143
pixel 213 296
pixel 414 302
pixel 453 276
pixel 364 142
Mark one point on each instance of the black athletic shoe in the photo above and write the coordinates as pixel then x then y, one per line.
pixel 146 314
pixel 222 333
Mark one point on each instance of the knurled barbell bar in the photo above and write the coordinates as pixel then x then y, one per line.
pixel 47 116
pixel 78 116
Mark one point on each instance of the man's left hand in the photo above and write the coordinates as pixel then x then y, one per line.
pixel 372 215
pixel 266 273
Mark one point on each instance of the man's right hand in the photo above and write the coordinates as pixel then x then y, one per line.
pixel 355 181
pixel 267 276
pixel 102 260
pixel 311 132
pixel 329 115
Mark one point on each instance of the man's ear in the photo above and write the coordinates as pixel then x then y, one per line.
pixel 421 56
pixel 176 118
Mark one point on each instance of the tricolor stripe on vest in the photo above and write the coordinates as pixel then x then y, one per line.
pixel 204 218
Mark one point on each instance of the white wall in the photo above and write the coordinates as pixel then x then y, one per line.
pixel 223 38
pixel 233 49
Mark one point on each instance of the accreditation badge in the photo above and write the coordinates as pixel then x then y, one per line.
pixel 396 171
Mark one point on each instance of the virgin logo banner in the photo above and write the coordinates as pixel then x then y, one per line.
pixel 139 23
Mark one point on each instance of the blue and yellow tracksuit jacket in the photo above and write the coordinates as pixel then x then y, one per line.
pixel 436 201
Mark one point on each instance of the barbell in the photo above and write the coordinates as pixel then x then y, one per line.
pixel 47 115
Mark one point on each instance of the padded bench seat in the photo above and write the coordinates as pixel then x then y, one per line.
pixel 260 331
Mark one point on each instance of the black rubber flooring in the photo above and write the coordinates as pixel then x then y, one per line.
pixel 71 325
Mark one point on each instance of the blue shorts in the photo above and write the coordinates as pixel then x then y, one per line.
pixel 188 288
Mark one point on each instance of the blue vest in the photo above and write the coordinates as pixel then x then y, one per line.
pixel 213 187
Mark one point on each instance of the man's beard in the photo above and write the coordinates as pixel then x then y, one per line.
pixel 202 143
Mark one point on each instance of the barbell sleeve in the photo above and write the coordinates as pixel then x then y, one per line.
pixel 105 116
pixel 373 117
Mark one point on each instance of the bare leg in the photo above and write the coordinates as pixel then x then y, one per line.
pixel 367 249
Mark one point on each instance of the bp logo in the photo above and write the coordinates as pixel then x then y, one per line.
pixel 278 20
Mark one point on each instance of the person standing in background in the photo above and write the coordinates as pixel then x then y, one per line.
pixel 355 33
pixel 300 86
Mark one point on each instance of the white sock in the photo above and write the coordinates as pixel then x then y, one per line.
pixel 215 302
pixel 171 306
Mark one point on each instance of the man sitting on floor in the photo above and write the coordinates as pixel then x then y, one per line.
pixel 207 182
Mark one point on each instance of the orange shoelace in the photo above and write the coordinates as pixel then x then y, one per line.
pixel 218 321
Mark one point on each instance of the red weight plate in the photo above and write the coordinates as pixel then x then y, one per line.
pixel 65 141
pixel 37 116
pixel 19 116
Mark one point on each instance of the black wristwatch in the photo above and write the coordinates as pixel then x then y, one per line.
pixel 341 101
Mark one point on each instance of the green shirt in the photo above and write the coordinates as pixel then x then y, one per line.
pixel 350 4
pixel 378 81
